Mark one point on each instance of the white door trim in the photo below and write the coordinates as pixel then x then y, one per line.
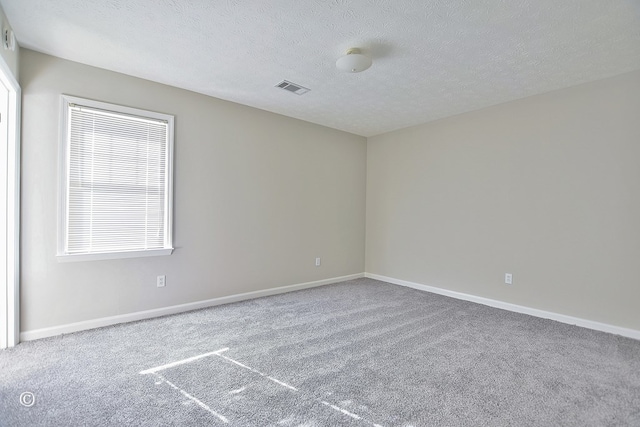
pixel 13 206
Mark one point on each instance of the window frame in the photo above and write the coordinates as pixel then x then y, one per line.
pixel 63 183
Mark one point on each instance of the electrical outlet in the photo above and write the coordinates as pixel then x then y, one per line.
pixel 508 278
pixel 318 262
pixel 161 281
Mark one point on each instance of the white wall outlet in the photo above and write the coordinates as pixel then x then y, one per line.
pixel 508 278
pixel 161 281
pixel 318 262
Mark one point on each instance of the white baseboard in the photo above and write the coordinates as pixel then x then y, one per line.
pixel 603 327
pixel 174 309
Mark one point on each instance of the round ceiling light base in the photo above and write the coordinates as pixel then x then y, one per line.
pixel 353 61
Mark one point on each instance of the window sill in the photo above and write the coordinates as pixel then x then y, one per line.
pixel 113 255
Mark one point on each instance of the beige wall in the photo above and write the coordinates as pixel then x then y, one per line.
pixel 546 188
pixel 257 197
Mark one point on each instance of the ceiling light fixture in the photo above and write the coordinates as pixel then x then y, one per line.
pixel 353 61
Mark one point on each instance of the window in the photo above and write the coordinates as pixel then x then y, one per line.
pixel 115 181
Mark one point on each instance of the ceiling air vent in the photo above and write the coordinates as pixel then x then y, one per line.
pixel 292 87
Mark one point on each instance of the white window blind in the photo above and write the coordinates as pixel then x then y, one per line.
pixel 117 179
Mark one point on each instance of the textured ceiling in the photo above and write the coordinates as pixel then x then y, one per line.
pixel 431 59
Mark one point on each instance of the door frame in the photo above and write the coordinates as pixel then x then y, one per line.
pixel 12 290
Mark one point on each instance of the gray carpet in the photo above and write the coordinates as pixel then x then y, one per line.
pixel 358 353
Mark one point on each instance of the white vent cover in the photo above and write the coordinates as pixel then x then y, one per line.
pixel 292 87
